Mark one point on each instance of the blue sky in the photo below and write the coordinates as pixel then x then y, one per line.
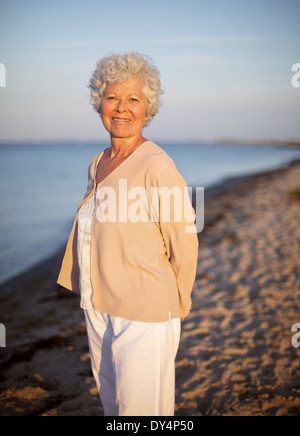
pixel 225 66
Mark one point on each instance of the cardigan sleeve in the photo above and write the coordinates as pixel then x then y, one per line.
pixel 175 214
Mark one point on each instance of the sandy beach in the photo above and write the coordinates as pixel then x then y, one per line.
pixel 236 357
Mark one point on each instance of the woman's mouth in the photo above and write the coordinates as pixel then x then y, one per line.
pixel 121 120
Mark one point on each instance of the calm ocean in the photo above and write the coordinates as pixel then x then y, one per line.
pixel 41 187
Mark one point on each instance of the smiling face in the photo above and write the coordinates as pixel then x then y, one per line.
pixel 124 108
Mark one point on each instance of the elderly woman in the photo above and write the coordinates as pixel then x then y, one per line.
pixel 131 261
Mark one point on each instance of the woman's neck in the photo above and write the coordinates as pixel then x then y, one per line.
pixel 121 147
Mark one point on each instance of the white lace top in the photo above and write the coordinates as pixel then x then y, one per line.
pixel 85 219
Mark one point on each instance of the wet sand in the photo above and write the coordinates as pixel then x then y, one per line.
pixel 236 356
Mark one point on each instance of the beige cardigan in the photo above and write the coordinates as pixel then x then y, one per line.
pixel 139 270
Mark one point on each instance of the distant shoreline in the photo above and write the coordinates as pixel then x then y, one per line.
pixel 243 142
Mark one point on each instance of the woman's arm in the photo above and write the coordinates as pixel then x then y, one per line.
pixel 181 245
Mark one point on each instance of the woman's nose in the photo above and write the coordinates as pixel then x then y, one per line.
pixel 121 106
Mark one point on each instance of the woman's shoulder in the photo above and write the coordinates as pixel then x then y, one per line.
pixel 155 158
pixel 93 165
pixel 160 167
pixel 93 161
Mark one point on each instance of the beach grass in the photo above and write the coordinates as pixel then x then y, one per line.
pixel 295 193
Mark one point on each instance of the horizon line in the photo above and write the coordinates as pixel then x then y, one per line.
pixel 194 141
pixel 182 40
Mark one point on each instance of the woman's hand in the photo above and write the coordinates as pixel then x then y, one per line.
pixel 182 319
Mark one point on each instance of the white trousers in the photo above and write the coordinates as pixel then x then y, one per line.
pixel 133 364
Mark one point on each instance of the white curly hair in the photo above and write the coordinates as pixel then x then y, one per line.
pixel 118 68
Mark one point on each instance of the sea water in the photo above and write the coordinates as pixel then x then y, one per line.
pixel 42 186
